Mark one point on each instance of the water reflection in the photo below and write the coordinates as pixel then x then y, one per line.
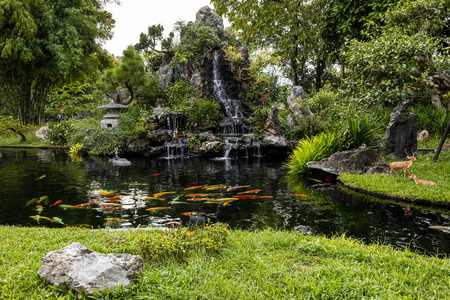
pixel 326 209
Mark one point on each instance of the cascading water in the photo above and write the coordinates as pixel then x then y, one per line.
pixel 234 123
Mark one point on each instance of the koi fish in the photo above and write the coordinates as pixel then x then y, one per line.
pixel 65 206
pixel 249 192
pixel 237 187
pixel 445 229
pixel 158 208
pixel 41 177
pixel 43 198
pixel 189 213
pixel 193 187
pixel 56 203
pixel 214 188
pixel 210 202
pixel 199 199
pixel 199 182
pixel 299 195
pixel 194 195
pixel 83 204
pixel 264 197
pixel 38 218
pixel 103 192
pixel 39 208
pixel 111 207
pixel 225 199
pixel 58 220
pixel 163 193
pixel 155 198
pixel 115 220
pixel 113 198
pixel 244 196
pixel 157 174
pixel 226 203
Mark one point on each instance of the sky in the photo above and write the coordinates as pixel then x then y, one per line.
pixel 135 16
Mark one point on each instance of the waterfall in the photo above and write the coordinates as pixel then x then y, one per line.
pixel 177 149
pixel 231 105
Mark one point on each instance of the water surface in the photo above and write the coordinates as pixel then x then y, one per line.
pixel 284 203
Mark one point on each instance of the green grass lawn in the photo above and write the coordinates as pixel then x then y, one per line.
pixel 392 185
pixel 266 264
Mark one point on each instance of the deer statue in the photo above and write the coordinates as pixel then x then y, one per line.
pixel 422 181
pixel 402 165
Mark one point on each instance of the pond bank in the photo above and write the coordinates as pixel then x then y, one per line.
pixel 253 265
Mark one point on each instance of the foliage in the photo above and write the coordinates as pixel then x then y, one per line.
pixel 307 126
pixel 288 27
pixel 59 132
pixel 402 60
pixel 130 73
pixel 362 130
pixel 204 112
pixel 312 148
pixel 153 61
pixel 101 140
pixel 392 185
pixel 132 122
pixel 194 39
pixel 7 122
pixel 344 20
pixel 178 95
pixel 75 97
pixel 259 118
pixel 193 141
pixel 433 120
pixel 44 43
pixel 251 266
pixel 179 244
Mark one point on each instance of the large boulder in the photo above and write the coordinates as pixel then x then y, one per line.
pixel 209 18
pixel 165 77
pixel 41 133
pixel 359 161
pixel 85 270
pixel 297 102
pixel 272 126
pixel 401 133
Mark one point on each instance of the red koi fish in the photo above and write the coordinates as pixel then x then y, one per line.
pixel 263 197
pixel 56 203
pixel 299 195
pixel 189 213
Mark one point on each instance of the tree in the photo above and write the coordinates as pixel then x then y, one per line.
pixel 130 73
pixel 408 58
pixel 290 28
pixel 46 42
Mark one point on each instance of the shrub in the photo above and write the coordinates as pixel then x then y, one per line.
pixel 312 149
pixel 204 111
pixel 101 140
pixel 362 130
pixel 180 243
pixel 431 119
pixel 132 122
pixel 59 132
pixel 308 126
pixel 178 95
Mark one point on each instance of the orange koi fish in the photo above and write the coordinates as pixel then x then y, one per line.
pixel 214 187
pixel 56 203
pixel 193 187
pixel 299 195
pixel 113 198
pixel 263 197
pixel 237 187
pixel 194 195
pixel 83 204
pixel 226 203
pixel 249 192
pixel 158 208
pixel 244 196
pixel 157 174
pixel 189 213
pixel 111 207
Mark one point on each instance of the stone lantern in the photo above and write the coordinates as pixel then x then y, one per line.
pixel 112 112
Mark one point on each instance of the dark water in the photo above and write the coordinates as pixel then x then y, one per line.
pixel 328 210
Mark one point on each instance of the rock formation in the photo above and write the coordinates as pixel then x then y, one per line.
pixel 85 270
pixel 401 133
pixel 358 161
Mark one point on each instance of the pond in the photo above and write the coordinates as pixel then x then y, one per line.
pixel 42 187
